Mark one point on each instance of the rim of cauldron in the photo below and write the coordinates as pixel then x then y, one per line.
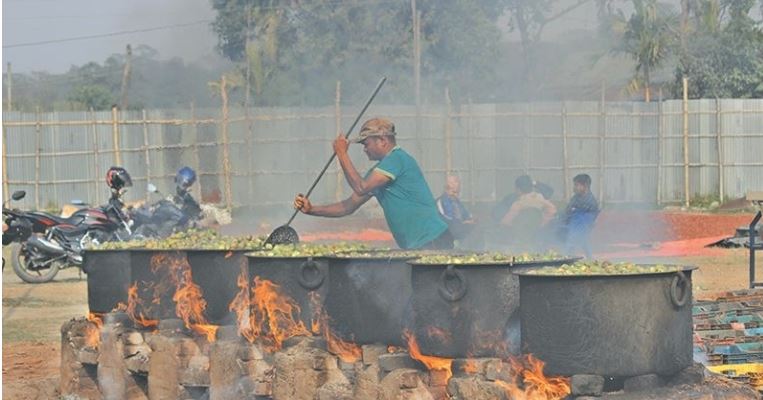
pixel 250 254
pixel 681 268
pixel 179 249
pixel 523 264
pixel 383 254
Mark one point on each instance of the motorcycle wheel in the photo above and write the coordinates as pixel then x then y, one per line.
pixel 21 266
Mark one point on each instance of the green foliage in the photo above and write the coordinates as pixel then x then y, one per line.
pixel 648 36
pixel 154 83
pixel 723 59
pixel 297 50
pixel 96 97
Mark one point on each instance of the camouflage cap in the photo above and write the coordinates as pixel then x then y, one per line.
pixel 375 127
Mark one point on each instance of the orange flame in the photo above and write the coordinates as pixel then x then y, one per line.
pixel 347 351
pixel 263 312
pixel 274 317
pixel 317 318
pixel 275 312
pixel 133 302
pixel 534 383
pixel 93 330
pixel 431 362
pixel 188 298
pixel 470 367
pixel 240 306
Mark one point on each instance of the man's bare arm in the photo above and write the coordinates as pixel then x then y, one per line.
pixel 334 210
pixel 359 185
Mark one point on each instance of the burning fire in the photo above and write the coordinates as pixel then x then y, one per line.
pixel 266 314
pixel 274 317
pixel 470 367
pixel 526 378
pixel 431 362
pixel 188 298
pixel 276 312
pixel 93 331
pixel 133 302
pixel 240 306
pixel 528 382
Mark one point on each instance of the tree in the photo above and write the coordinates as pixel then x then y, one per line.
pixel 648 36
pixel 724 55
pixel 297 50
pixel 530 18
pixel 90 96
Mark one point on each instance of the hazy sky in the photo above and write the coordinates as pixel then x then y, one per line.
pixel 27 21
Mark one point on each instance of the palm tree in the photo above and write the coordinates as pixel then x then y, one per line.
pixel 648 36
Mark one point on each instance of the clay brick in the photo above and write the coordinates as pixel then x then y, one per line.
pixel 391 362
pixel 133 338
pixel 371 353
pixel 438 377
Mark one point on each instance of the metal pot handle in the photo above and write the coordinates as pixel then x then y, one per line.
pixel 445 292
pixel 302 276
pixel 679 290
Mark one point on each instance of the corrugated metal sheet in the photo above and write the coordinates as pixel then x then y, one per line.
pixel 632 150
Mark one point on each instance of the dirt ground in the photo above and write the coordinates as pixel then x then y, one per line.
pixel 33 314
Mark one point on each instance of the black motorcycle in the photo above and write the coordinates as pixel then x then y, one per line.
pixel 166 216
pixel 48 243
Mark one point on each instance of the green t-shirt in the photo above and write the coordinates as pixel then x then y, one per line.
pixel 408 204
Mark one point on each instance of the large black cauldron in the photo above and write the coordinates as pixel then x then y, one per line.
pixel 108 278
pixel 462 311
pixel 303 279
pixel 155 274
pixel 609 325
pixel 368 295
pixel 216 272
pixel 111 273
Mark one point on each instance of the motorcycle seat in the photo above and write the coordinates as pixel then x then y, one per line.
pixel 67 229
pixel 73 219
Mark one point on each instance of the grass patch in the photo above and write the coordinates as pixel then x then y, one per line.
pixel 34 302
pixel 24 330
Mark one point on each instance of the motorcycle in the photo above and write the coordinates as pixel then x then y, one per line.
pixel 166 216
pixel 49 243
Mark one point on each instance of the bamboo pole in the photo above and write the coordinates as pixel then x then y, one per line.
pixel 719 130
pixel 660 144
pixel 96 159
pixel 470 153
pixel 448 133
pixel 526 142
pixel 226 146
pixel 115 135
pixel 54 160
pixel 685 110
pixel 38 143
pixel 9 106
pixel 249 137
pixel 195 147
pixel 6 187
pixel 602 140
pixel 338 128
pixel 565 160
pixel 146 153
